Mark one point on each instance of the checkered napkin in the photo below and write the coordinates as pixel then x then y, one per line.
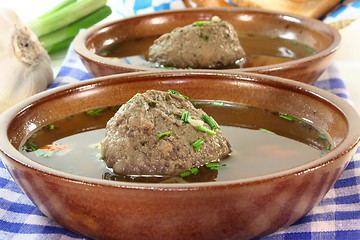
pixel 337 216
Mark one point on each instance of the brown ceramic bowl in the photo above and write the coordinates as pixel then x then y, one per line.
pixel 234 209
pixel 311 32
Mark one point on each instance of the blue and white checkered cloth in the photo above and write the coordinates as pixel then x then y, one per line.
pixel 337 216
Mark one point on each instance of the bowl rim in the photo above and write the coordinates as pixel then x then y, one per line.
pixel 345 108
pixel 80 40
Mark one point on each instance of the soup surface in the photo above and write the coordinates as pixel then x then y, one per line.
pixel 263 142
pixel 260 50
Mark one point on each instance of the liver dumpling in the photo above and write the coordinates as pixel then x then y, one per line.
pixel 203 44
pixel 149 136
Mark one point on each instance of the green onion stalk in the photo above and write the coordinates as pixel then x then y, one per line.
pixel 58 27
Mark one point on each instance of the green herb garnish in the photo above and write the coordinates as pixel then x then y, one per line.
pixel 322 136
pixel 115 108
pixel 206 38
pixel 51 127
pixel 211 121
pixel 164 134
pixel 197 145
pixel 185 174
pixel 193 171
pixel 94 112
pixel 30 146
pixel 309 49
pixel 265 130
pixel 217 103
pixel 200 23
pixel 49 154
pixel 185 117
pixel 287 117
pixel 215 166
pixel 197 104
pixel 201 128
pixel 133 98
pixel 177 93
pixel 328 146
pixel 41 153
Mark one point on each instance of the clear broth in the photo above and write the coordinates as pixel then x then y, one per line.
pixel 260 50
pixel 263 142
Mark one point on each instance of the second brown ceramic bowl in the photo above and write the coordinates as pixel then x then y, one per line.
pixel 307 31
pixel 242 208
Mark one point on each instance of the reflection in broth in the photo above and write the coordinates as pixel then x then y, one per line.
pixel 263 142
pixel 260 50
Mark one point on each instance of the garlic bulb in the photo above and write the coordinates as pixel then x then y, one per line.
pixel 25 66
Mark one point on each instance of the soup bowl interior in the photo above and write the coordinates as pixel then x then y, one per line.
pixel 235 209
pixel 310 33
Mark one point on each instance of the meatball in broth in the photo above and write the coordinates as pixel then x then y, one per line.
pixel 203 44
pixel 161 133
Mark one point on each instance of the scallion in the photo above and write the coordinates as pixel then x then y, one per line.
pixel 203 129
pixel 177 93
pixel 328 147
pixel 185 117
pixel 48 154
pixel 211 121
pixel 193 171
pixel 164 134
pixel 185 174
pixel 30 146
pixel 265 130
pixel 215 166
pixel 64 16
pixel 62 38
pixel 133 97
pixel 94 112
pixel 58 27
pixel 308 49
pixel 289 118
pixel 197 145
pixel 200 23
pixel 217 103
pixel 57 8
pixel 322 136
